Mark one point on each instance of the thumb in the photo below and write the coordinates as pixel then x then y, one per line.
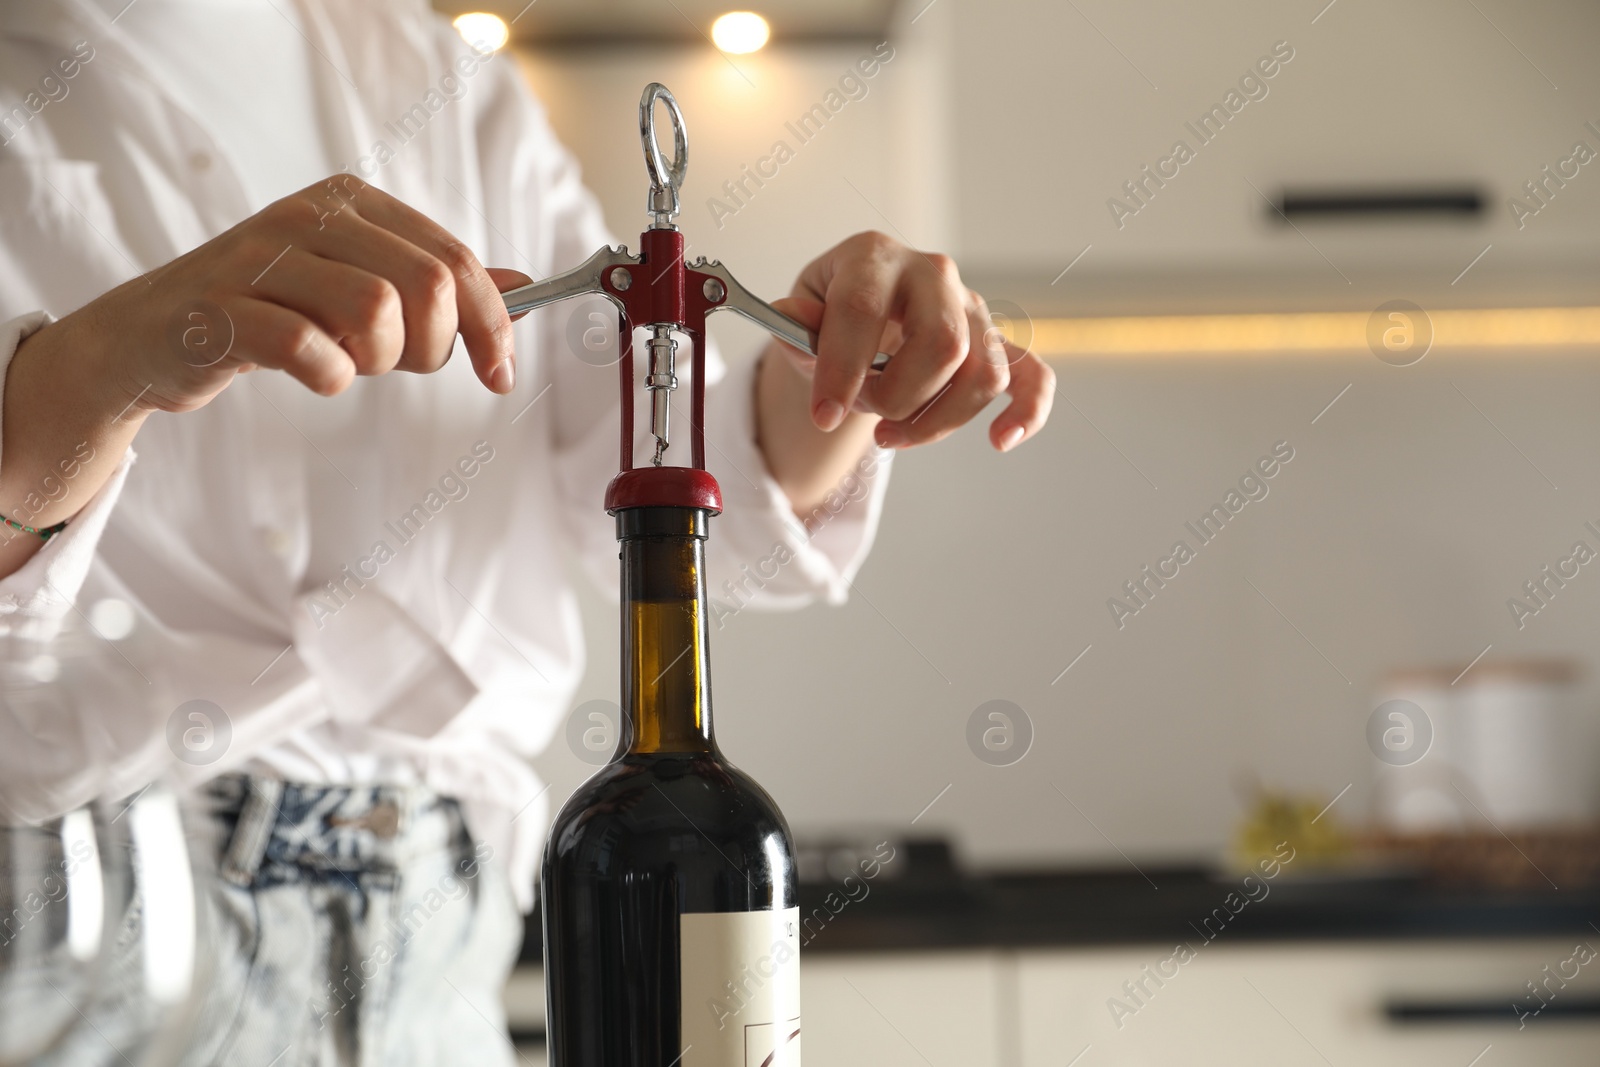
pixel 802 309
pixel 808 313
pixel 506 279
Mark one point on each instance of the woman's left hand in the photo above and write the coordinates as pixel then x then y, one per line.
pixel 870 293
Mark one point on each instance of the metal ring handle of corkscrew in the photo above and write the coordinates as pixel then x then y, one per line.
pixel 658 291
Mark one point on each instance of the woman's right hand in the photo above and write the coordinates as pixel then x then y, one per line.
pixel 336 280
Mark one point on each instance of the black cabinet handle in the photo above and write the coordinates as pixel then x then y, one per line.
pixel 1512 1009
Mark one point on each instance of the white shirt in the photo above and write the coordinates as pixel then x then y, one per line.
pixel 454 651
pixel 246 71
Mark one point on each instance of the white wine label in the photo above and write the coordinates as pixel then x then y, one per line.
pixel 740 981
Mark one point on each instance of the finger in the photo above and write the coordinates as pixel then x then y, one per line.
pixel 808 313
pixel 858 298
pixel 1033 392
pixel 481 315
pixel 322 219
pixel 359 310
pixel 981 377
pixel 426 286
pixel 270 335
pixel 505 280
pixel 937 336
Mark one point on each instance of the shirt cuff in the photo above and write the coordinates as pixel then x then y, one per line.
pixel 45 587
pixel 760 554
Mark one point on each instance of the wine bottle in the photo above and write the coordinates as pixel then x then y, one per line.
pixel 668 886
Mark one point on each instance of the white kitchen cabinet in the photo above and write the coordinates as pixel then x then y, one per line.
pixel 877 1010
pixel 1361 104
pixel 523 998
pixel 1279 1005
pixel 1298 1003
pixel 903 1009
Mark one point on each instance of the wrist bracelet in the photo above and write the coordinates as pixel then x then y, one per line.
pixel 44 534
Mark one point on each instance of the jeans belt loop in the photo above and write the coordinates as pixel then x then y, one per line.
pixel 257 817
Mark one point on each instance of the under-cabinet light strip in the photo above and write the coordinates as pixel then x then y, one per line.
pixel 1267 334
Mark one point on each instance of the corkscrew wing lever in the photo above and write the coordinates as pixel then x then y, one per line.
pixel 747 305
pixel 585 278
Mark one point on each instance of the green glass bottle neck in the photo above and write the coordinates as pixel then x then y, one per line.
pixel 666 689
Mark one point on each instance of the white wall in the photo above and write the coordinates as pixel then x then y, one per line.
pixel 1394 537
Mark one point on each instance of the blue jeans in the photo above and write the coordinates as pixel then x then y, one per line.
pixel 352 925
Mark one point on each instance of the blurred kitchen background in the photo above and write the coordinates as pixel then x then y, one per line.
pixel 1200 313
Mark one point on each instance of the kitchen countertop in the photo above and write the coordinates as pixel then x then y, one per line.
pixel 1061 908
pixel 1043 909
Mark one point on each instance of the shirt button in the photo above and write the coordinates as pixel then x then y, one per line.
pixel 278 541
pixel 200 161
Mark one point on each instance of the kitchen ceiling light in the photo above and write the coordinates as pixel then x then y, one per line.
pixel 1278 334
pixel 739 32
pixel 483 31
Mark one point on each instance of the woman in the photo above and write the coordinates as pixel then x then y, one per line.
pixel 351 581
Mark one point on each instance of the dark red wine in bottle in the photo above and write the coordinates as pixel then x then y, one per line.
pixel 668 887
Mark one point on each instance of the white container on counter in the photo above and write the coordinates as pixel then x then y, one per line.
pixel 1523 760
pixel 1416 738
